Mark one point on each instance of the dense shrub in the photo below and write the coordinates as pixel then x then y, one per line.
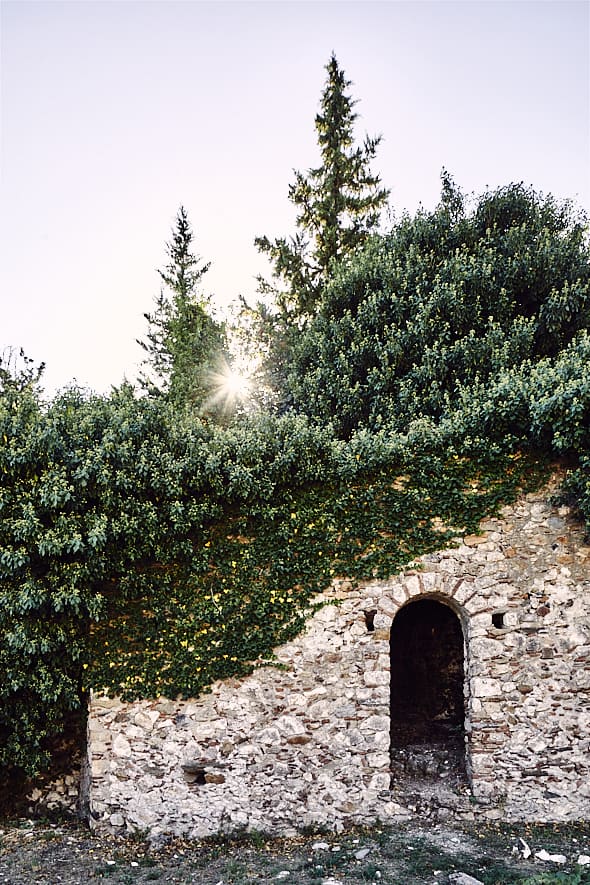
pixel 447 301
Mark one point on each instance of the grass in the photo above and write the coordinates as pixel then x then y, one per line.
pixel 404 855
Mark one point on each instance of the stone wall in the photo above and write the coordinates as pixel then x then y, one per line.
pixel 61 794
pixel 309 744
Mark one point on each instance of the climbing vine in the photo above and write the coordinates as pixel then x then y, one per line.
pixel 253 581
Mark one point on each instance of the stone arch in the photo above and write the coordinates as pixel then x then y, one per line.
pixel 427 688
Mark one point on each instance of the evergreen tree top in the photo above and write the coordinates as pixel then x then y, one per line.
pixel 184 342
pixel 183 272
pixel 339 204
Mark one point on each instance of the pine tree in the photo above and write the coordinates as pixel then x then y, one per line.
pixel 339 203
pixel 184 344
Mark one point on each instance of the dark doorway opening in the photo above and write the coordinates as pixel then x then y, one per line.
pixel 427 705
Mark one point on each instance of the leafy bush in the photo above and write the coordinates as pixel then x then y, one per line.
pixel 445 303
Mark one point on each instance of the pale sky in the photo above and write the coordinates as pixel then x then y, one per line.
pixel 114 113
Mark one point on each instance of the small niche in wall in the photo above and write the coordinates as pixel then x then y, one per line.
pixel 370 619
pixel 498 620
pixel 194 773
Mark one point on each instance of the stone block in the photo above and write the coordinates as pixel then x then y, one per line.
pixel 379 782
pixel 373 678
pixel 388 608
pixel 378 760
pixel 413 586
pixel 464 592
pixel 299 739
pixel 207 730
pixel 326 616
pixel 101 702
pixel 269 736
pixel 394 811
pixel 485 688
pixel 198 712
pixel 495 556
pixel 121 746
pixel 380 635
pixel 474 540
pixel 375 724
pixel 378 740
pixel 382 622
pixel 100 767
pixel 485 649
pixel 98 734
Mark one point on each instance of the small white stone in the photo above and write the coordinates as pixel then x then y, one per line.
pixel 583 859
pixel 362 853
pixel 554 858
pixel 320 846
pixel 464 879
pixel 526 851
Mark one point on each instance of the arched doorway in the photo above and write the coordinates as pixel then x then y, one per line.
pixel 427 704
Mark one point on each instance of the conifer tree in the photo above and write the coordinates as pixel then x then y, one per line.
pixel 184 344
pixel 338 204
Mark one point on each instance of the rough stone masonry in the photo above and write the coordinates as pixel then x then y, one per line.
pixel 309 744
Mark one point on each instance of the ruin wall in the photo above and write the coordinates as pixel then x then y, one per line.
pixel 307 744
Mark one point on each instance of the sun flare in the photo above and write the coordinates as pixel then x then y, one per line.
pixel 233 384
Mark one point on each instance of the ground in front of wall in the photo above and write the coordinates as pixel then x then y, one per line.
pixel 34 852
